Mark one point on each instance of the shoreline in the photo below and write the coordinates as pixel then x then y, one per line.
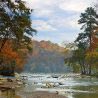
pixel 41 94
pixel 7 83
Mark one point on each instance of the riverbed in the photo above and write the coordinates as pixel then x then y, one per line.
pixel 69 85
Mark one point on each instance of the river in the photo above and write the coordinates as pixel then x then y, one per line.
pixel 69 85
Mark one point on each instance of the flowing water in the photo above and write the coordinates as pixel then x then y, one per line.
pixel 71 86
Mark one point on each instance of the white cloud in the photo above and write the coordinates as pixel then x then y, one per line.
pixel 72 22
pixel 33 3
pixel 41 25
pixel 42 8
pixel 43 13
pixel 74 5
pixel 40 4
pixel 68 22
pixel 58 37
pixel 57 16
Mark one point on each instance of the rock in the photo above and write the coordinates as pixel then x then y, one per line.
pixel 18 79
pixel 60 83
pixel 24 77
pixel 56 84
pixel 57 92
pixel 3 79
pixel 17 76
pixel 1 83
pixel 55 76
pixel 18 86
pixel 49 85
pixel 9 80
pixel 19 83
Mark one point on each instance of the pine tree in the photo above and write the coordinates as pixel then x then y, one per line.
pixel 89 22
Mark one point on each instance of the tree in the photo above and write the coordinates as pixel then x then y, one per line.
pixel 15 22
pixel 89 23
pixel 84 40
pixel 10 60
pixel 15 28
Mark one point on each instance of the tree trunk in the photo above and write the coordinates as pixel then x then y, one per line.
pixel 83 71
pixel 89 71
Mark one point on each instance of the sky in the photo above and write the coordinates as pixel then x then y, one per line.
pixel 56 20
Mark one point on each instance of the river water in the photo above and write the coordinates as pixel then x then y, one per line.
pixel 69 85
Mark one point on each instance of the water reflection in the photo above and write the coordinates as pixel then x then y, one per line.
pixel 8 94
pixel 87 95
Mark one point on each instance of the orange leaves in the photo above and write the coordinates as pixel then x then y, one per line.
pixel 92 55
pixel 9 55
pixel 95 40
pixel 8 52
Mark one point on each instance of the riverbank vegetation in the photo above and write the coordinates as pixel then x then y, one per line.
pixel 15 35
pixel 84 50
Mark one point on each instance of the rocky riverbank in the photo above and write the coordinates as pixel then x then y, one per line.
pixel 7 83
pixel 41 94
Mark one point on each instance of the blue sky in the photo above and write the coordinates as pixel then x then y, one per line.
pixel 56 20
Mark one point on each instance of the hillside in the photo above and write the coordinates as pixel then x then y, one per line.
pixel 46 57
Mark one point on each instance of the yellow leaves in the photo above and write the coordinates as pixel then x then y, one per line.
pixel 92 57
pixel 94 43
pixel 92 54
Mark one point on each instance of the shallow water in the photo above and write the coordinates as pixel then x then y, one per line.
pixel 70 86
pixel 9 94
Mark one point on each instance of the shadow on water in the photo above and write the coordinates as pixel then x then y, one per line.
pixel 8 94
pixel 84 88
pixel 85 92
pixel 87 95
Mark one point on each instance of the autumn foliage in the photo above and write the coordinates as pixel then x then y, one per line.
pixel 15 35
pixel 94 44
pixel 11 57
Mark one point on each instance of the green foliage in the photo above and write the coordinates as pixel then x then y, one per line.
pixel 89 22
pixel 15 27
pixel 15 22
pixel 84 57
